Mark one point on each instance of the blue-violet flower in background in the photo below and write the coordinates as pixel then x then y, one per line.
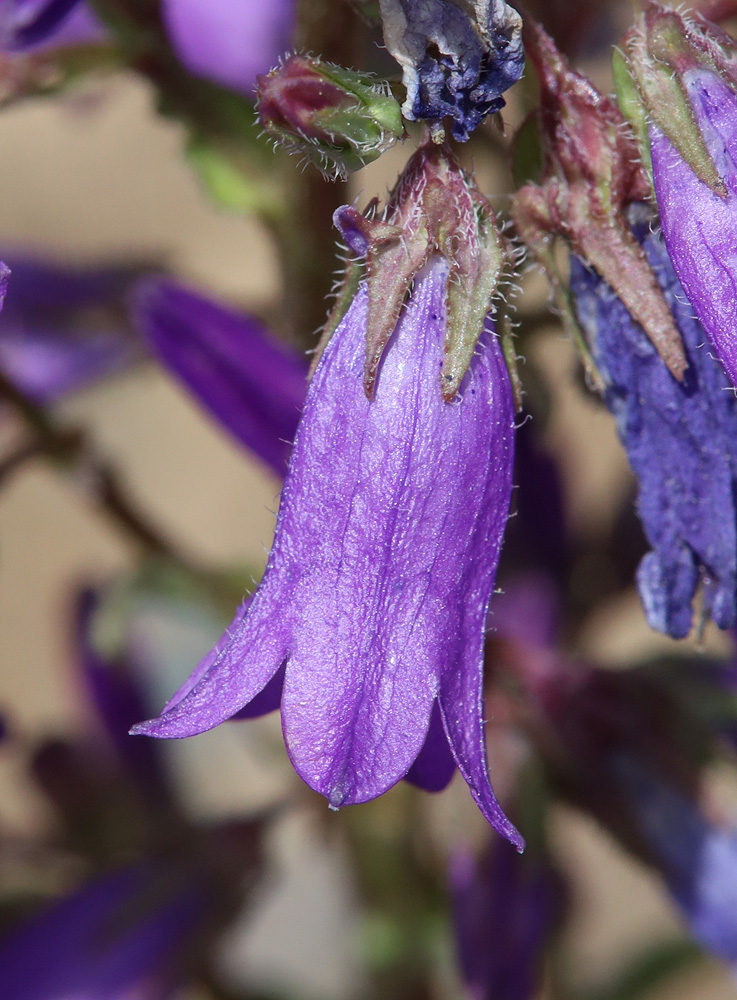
pixel 376 592
pixel 698 857
pixel 504 909
pixel 63 328
pixel 254 385
pixel 230 41
pixel 121 935
pixel 457 56
pixel 621 746
pixel 681 441
pixel 29 24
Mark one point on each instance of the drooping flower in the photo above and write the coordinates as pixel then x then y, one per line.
pixel 61 328
pixel 680 440
pixel 230 41
pixel 28 24
pixel 457 56
pixel 251 383
pixel 377 587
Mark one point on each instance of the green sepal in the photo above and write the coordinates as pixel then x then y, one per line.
pixel 633 108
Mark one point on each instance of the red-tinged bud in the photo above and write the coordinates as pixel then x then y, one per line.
pixel 591 172
pixel 337 119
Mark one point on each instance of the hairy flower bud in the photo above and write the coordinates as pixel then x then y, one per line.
pixel 337 119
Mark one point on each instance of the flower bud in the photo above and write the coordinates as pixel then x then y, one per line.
pixel 337 119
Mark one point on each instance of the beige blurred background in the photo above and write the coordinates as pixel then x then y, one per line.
pixel 101 177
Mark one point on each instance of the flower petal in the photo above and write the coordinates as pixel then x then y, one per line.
pixel 249 654
pixel 461 693
pixel 699 226
pixel 434 768
pixel 363 675
pixel 405 485
pixel 250 382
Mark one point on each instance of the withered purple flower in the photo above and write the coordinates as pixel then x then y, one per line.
pixel 457 56
pixel 376 592
pixel 251 383
pixel 680 441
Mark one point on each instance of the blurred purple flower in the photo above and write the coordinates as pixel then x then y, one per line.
pixel 681 441
pixel 538 535
pixel 629 746
pixel 251 383
pixel 230 41
pixel 457 56
pixel 527 610
pixel 28 24
pixel 698 858
pixel 377 588
pixel 62 329
pixel 117 701
pixel 122 935
pixel 504 909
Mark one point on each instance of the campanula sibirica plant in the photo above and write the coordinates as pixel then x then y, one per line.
pixel 504 562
